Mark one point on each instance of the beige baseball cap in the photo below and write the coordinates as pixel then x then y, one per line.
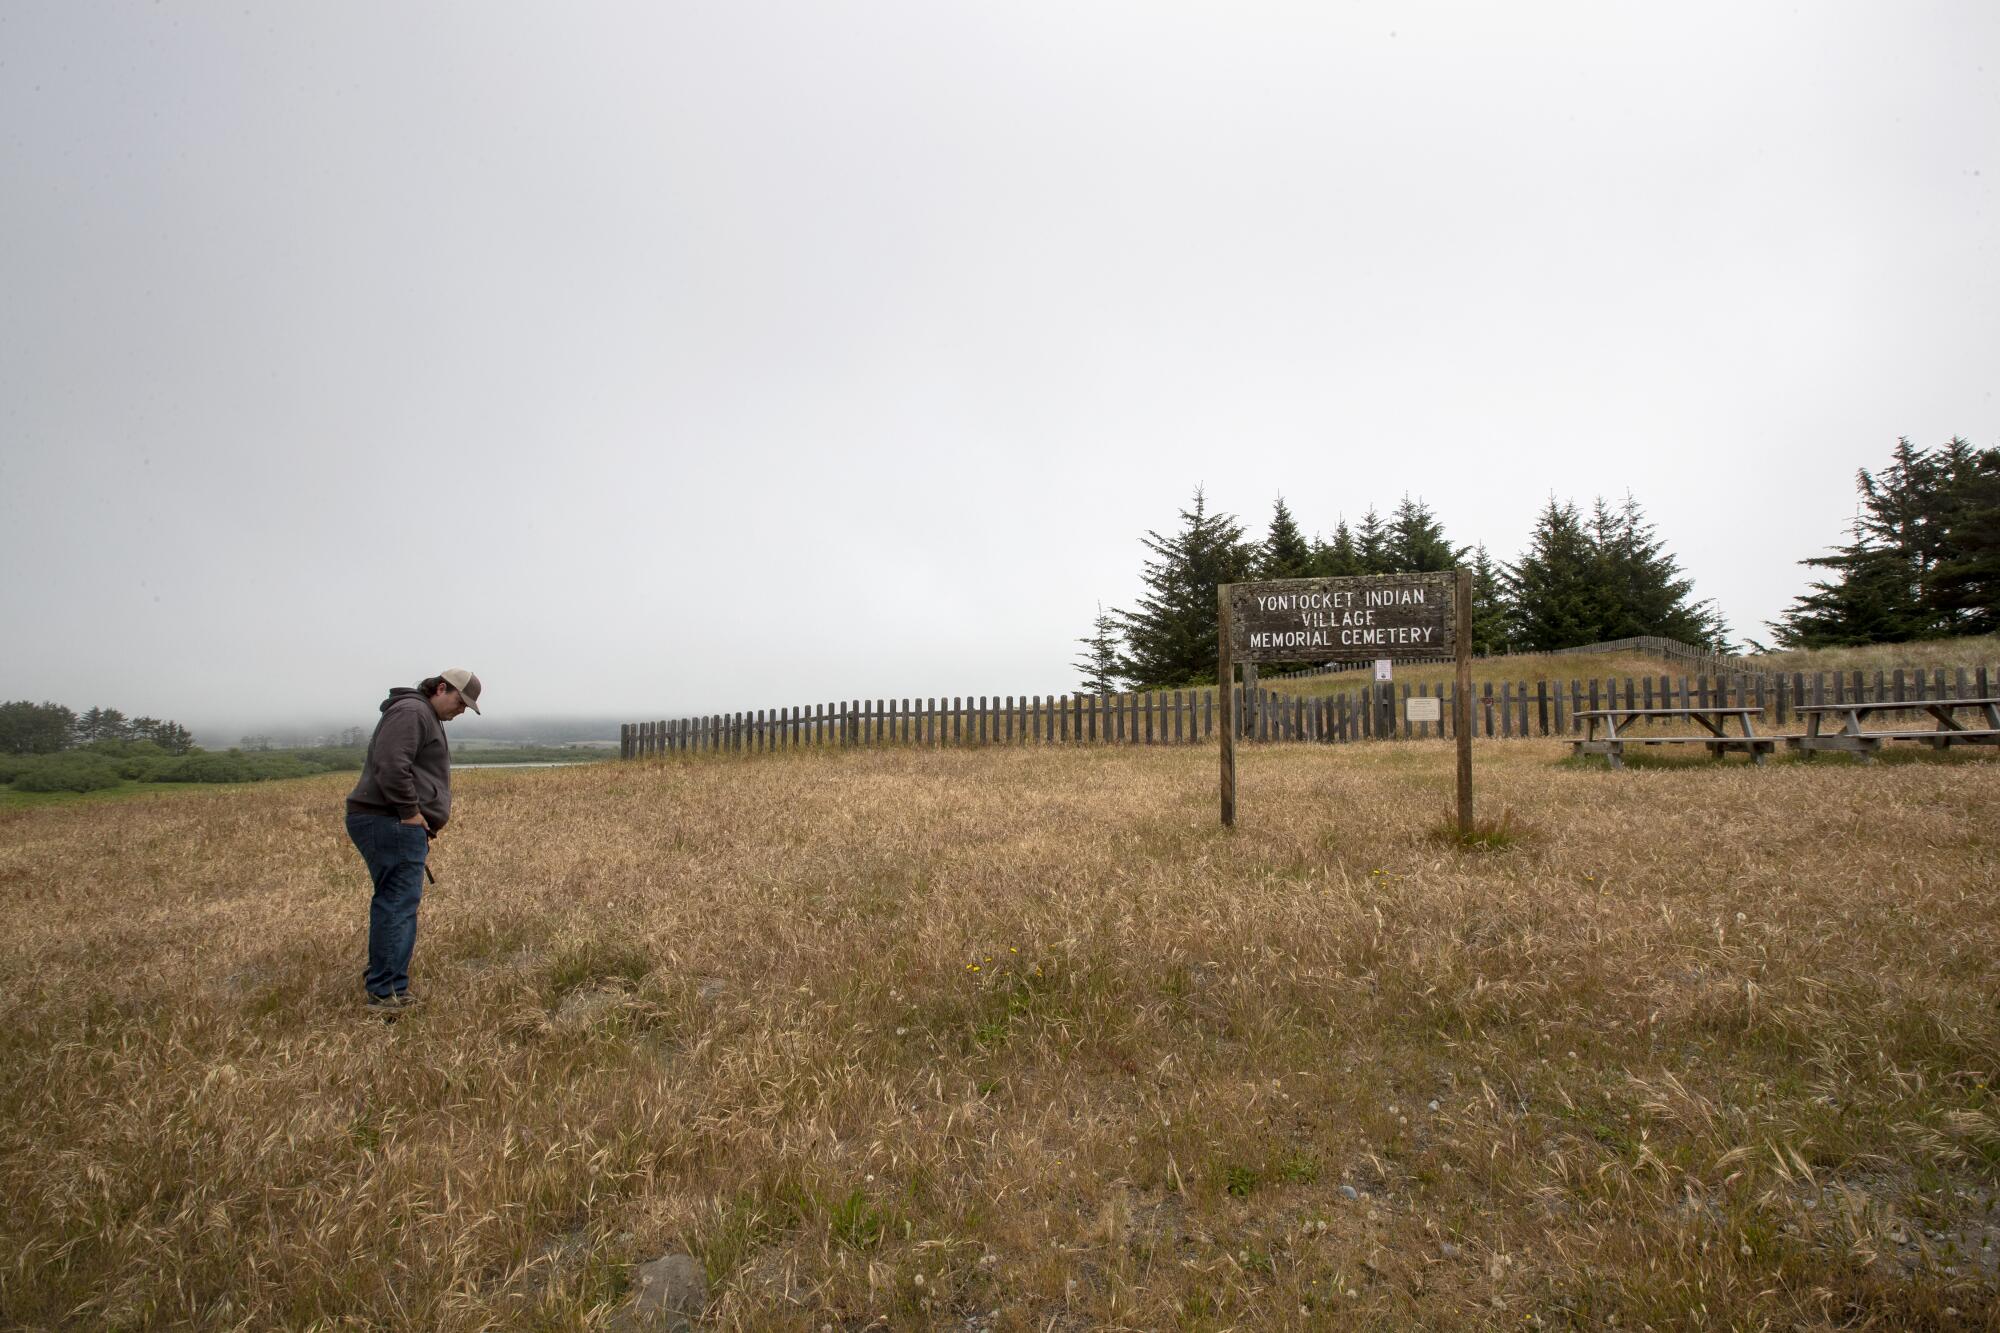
pixel 465 683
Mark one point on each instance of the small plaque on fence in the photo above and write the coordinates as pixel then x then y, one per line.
pixel 1423 708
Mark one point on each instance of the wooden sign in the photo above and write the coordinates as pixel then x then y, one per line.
pixel 1384 617
pixel 1371 618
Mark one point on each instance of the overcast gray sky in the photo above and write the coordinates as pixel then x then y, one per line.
pixel 653 358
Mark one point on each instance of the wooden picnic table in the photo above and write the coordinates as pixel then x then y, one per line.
pixel 1855 738
pixel 1713 717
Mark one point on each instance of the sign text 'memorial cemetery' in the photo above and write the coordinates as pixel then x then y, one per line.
pixel 1324 620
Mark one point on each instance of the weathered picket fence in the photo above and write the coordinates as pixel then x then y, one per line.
pixel 1185 717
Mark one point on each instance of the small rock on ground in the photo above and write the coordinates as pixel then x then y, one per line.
pixel 669 1293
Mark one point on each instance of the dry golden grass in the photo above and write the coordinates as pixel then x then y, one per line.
pixel 1929 655
pixel 902 1038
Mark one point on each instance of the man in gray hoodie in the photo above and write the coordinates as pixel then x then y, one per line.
pixel 403 801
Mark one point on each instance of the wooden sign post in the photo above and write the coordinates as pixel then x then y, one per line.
pixel 1392 617
pixel 1461 695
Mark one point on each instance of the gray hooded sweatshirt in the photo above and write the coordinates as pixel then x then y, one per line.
pixel 408 768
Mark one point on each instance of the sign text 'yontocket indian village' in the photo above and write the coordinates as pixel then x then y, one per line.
pixel 1385 616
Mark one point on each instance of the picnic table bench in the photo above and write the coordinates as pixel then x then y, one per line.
pixel 1854 738
pixel 1713 717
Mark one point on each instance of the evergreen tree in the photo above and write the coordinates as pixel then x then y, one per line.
pixel 1491 629
pixel 1966 581
pixel 1371 544
pixel 1900 512
pixel 103 724
pixel 31 728
pixel 1922 560
pixel 169 736
pixel 1285 554
pixel 1717 636
pixel 1338 558
pixel 1415 542
pixel 1552 595
pixel 1099 664
pixel 1641 589
pixel 173 738
pixel 1869 602
pixel 1171 633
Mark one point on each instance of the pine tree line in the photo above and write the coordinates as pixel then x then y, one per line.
pixel 1581 580
pixel 46 728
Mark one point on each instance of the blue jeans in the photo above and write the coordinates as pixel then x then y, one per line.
pixel 395 854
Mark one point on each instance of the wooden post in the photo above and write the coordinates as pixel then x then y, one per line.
pixel 1225 671
pixel 1461 697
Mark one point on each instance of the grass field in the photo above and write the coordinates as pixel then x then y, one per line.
pixel 11 799
pixel 1019 1039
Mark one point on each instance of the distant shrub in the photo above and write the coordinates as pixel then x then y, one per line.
pixel 136 761
pixel 205 768
pixel 280 764
pixel 69 771
pixel 13 765
pixel 330 758
pixel 235 766
pixel 141 768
